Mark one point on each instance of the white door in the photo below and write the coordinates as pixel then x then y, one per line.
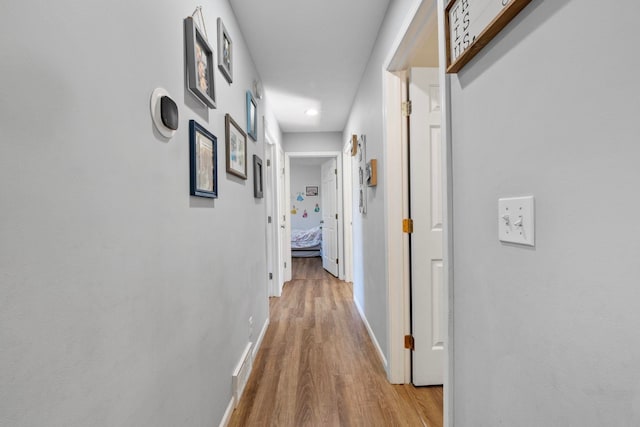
pixel 284 243
pixel 329 206
pixel 270 202
pixel 427 285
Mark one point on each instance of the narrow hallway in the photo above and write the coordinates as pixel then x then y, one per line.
pixel 318 367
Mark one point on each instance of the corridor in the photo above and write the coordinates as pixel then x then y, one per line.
pixel 318 367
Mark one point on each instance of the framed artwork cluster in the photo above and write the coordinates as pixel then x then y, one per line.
pixel 200 81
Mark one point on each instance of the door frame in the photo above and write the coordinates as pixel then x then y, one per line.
pixel 399 370
pixel 287 197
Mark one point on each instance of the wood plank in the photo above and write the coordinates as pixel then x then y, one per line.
pixel 318 367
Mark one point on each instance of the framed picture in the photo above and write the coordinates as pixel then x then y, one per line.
pixel 312 191
pixel 225 52
pixel 236 144
pixel 252 116
pixel 203 161
pixel 257 177
pixel 199 64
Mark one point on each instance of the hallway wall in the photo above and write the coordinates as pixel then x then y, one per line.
pixel 547 335
pixel 301 142
pixel 123 300
pixel 303 175
pixel 369 230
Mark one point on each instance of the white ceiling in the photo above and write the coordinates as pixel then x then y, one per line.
pixel 310 54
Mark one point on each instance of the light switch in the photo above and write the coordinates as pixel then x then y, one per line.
pixel 516 220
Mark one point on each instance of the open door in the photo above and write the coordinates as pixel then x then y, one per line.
pixel 329 200
pixel 427 285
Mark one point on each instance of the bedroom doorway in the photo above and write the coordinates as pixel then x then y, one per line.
pixel 308 205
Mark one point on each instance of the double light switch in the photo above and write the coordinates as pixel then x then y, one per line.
pixel 516 220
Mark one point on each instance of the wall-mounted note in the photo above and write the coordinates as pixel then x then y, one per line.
pixel 471 24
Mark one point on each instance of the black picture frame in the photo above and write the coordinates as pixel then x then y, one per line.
pixel 311 191
pixel 200 65
pixel 258 187
pixel 236 147
pixel 225 52
pixel 252 116
pixel 203 161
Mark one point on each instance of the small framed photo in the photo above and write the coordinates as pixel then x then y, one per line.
pixel 257 177
pixel 225 52
pixel 312 191
pixel 252 116
pixel 203 161
pixel 199 64
pixel 236 145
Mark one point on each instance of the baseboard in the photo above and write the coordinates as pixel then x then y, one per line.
pixel 371 335
pixel 227 414
pixel 260 338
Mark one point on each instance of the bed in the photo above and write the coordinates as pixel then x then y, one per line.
pixel 306 243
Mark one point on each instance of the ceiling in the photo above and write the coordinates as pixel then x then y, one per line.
pixel 310 54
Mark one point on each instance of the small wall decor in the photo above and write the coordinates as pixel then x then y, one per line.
pixel 300 198
pixel 225 52
pixel 317 208
pixel 305 214
pixel 236 145
pixel 203 161
pixel 294 211
pixel 200 75
pixel 252 116
pixel 164 112
pixel 372 173
pixel 362 165
pixel 257 177
pixel 312 191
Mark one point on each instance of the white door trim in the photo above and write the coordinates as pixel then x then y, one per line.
pixel 287 188
pixel 398 308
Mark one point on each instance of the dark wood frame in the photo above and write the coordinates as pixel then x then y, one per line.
pixel 194 37
pixel 195 128
pixel 311 191
pixel 229 122
pixel 485 36
pixel 258 187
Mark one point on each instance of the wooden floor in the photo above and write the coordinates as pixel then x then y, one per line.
pixel 318 367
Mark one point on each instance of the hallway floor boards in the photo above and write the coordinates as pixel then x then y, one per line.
pixel 318 367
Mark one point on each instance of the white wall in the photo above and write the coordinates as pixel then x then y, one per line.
pixel 302 176
pixel 548 335
pixel 301 142
pixel 369 235
pixel 123 300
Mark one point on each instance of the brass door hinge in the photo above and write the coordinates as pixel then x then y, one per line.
pixel 406 108
pixel 407 225
pixel 409 342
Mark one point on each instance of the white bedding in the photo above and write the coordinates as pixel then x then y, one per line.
pixel 302 239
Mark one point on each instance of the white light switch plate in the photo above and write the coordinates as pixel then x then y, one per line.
pixel 516 222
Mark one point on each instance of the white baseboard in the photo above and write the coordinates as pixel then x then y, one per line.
pixel 260 338
pixel 227 414
pixel 371 334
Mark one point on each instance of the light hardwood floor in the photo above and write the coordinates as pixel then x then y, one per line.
pixel 318 367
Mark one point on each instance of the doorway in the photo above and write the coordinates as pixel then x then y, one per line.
pixel 421 45
pixel 331 245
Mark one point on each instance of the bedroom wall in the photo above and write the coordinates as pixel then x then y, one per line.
pixel 547 335
pixel 300 142
pixel 123 300
pixel 302 176
pixel 370 250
